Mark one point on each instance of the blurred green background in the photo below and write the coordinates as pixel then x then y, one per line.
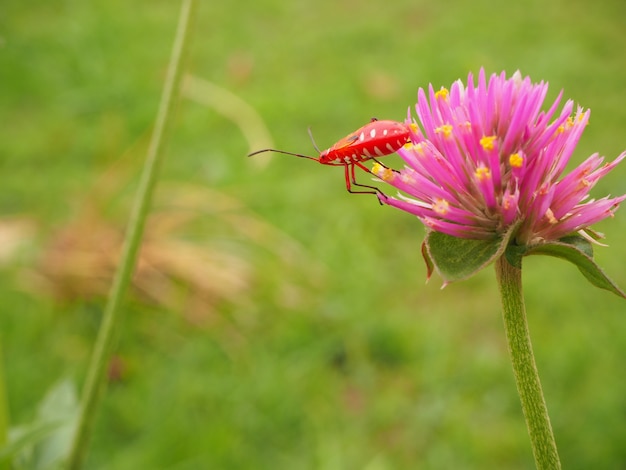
pixel 278 321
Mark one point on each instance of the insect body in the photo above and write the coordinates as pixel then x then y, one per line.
pixel 375 139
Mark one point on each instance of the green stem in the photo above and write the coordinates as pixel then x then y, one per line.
pixel 96 374
pixel 4 414
pixel 524 367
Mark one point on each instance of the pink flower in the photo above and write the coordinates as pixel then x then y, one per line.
pixel 485 157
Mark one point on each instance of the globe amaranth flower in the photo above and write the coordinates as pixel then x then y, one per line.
pixel 485 157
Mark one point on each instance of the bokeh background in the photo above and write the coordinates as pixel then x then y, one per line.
pixel 277 321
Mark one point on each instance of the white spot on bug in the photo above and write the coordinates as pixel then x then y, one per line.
pixel 389 147
pixel 385 131
pixel 367 153
pixel 378 152
pixel 362 137
pixel 373 133
pixel 347 159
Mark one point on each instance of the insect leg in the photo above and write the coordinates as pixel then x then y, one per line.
pixel 347 176
pixel 351 179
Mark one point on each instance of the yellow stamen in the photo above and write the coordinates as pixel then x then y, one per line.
pixel 482 173
pixel 569 123
pixel 441 206
pixel 414 127
pixel 442 94
pixel 516 160
pixel 384 173
pixel 550 216
pixel 419 148
pixel 487 142
pixel 446 130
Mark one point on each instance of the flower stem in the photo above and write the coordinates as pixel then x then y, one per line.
pixel 95 381
pixel 524 367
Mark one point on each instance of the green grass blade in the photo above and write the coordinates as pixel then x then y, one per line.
pixel 96 373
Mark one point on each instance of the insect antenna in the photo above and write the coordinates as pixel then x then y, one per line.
pixel 299 155
pixel 313 141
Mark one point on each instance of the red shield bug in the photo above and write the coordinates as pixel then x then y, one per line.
pixel 375 139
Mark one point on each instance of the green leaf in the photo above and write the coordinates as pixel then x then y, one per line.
pixel 23 440
pixel 576 250
pixel 45 443
pixel 59 404
pixel 456 258
pixel 514 255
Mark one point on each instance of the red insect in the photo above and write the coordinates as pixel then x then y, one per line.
pixel 375 139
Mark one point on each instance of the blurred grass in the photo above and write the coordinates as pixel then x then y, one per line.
pixel 362 366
